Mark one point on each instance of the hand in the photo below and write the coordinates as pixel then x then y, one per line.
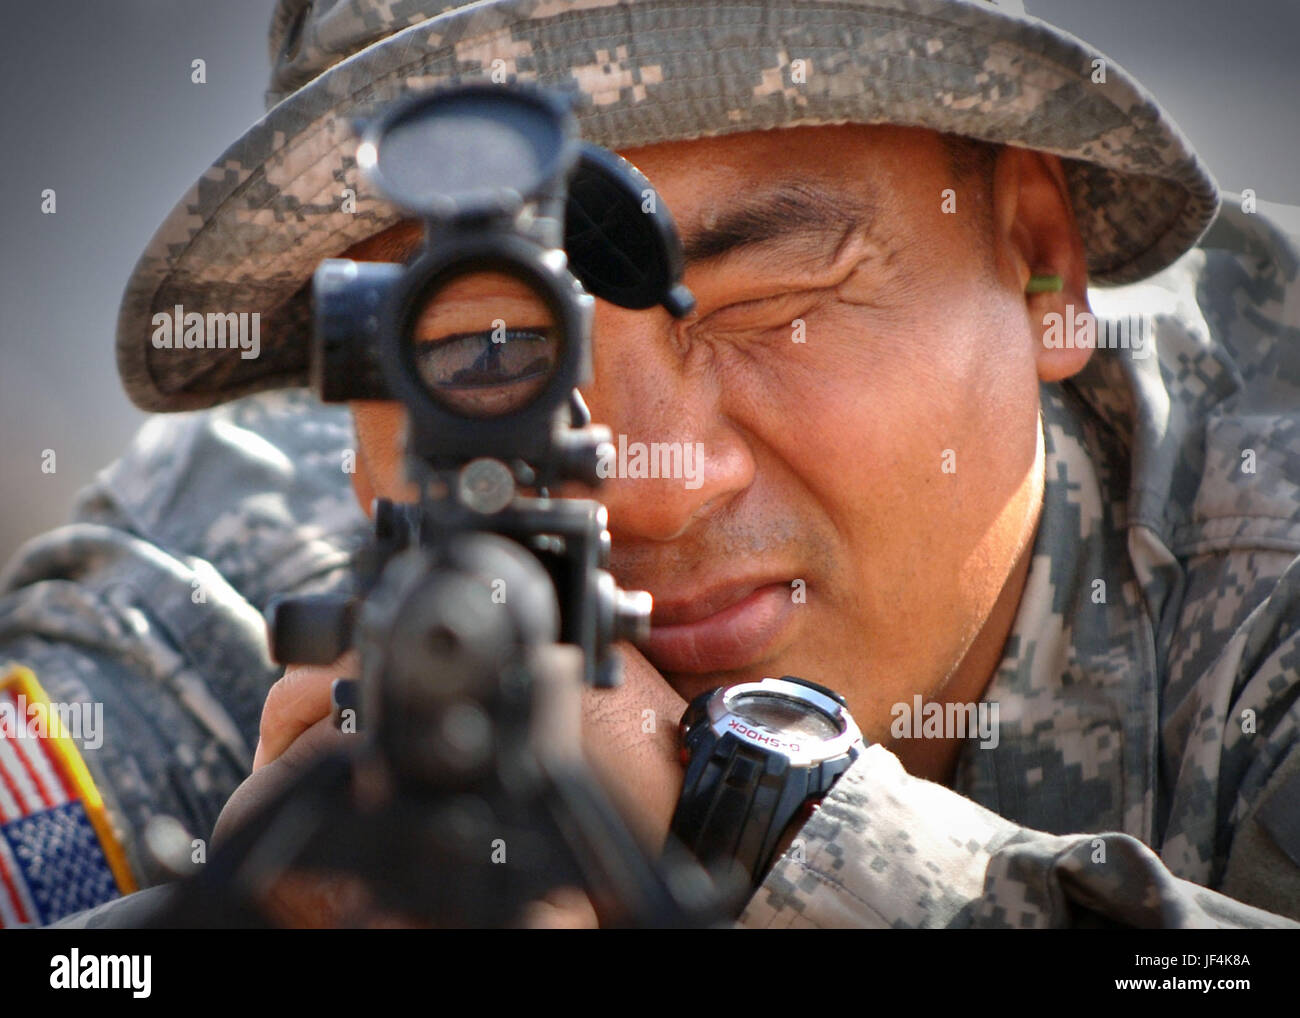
pixel 629 738
pixel 296 727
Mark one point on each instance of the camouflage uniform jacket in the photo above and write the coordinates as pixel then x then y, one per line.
pixel 1148 745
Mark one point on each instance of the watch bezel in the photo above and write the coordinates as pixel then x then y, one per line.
pixel 801 752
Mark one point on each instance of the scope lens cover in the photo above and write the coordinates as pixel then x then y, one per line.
pixel 476 150
pixel 620 237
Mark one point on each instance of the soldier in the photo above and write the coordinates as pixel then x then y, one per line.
pixel 987 481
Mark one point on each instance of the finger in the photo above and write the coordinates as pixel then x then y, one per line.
pixel 330 901
pixel 564 908
pixel 263 785
pixel 642 704
pixel 643 678
pixel 629 737
pixel 299 699
pixel 315 901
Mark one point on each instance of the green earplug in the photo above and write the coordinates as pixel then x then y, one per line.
pixel 1044 284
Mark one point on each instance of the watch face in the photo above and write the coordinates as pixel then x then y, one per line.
pixel 792 718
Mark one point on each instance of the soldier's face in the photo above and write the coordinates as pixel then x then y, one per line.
pixel 861 377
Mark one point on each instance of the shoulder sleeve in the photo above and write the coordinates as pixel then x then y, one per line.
pixel 150 603
pixel 886 849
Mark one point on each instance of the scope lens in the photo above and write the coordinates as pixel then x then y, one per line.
pixel 485 344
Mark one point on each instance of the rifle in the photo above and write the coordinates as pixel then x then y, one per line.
pixel 484 606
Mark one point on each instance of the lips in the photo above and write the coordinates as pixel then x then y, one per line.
pixel 721 630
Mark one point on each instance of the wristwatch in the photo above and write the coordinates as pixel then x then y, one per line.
pixel 758 756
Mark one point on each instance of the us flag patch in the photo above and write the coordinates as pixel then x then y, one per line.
pixel 58 852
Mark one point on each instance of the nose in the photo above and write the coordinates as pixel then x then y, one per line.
pixel 680 459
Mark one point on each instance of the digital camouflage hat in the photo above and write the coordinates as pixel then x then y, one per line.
pixel 249 234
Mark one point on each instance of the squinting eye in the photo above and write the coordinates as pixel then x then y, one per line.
pixel 764 311
pixel 482 374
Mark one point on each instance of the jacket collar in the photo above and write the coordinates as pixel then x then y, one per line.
pixel 1076 689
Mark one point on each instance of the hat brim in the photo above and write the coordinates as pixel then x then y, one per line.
pixel 250 233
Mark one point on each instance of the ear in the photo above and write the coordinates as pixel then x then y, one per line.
pixel 1038 236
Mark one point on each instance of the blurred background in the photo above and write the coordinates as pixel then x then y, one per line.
pixel 98 105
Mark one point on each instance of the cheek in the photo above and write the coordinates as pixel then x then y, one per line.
pixel 913 440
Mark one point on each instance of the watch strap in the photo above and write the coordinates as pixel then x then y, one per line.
pixel 737 801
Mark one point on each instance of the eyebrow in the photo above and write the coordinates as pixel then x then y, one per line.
pixel 792 215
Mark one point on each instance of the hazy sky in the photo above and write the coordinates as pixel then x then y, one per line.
pixel 98 104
